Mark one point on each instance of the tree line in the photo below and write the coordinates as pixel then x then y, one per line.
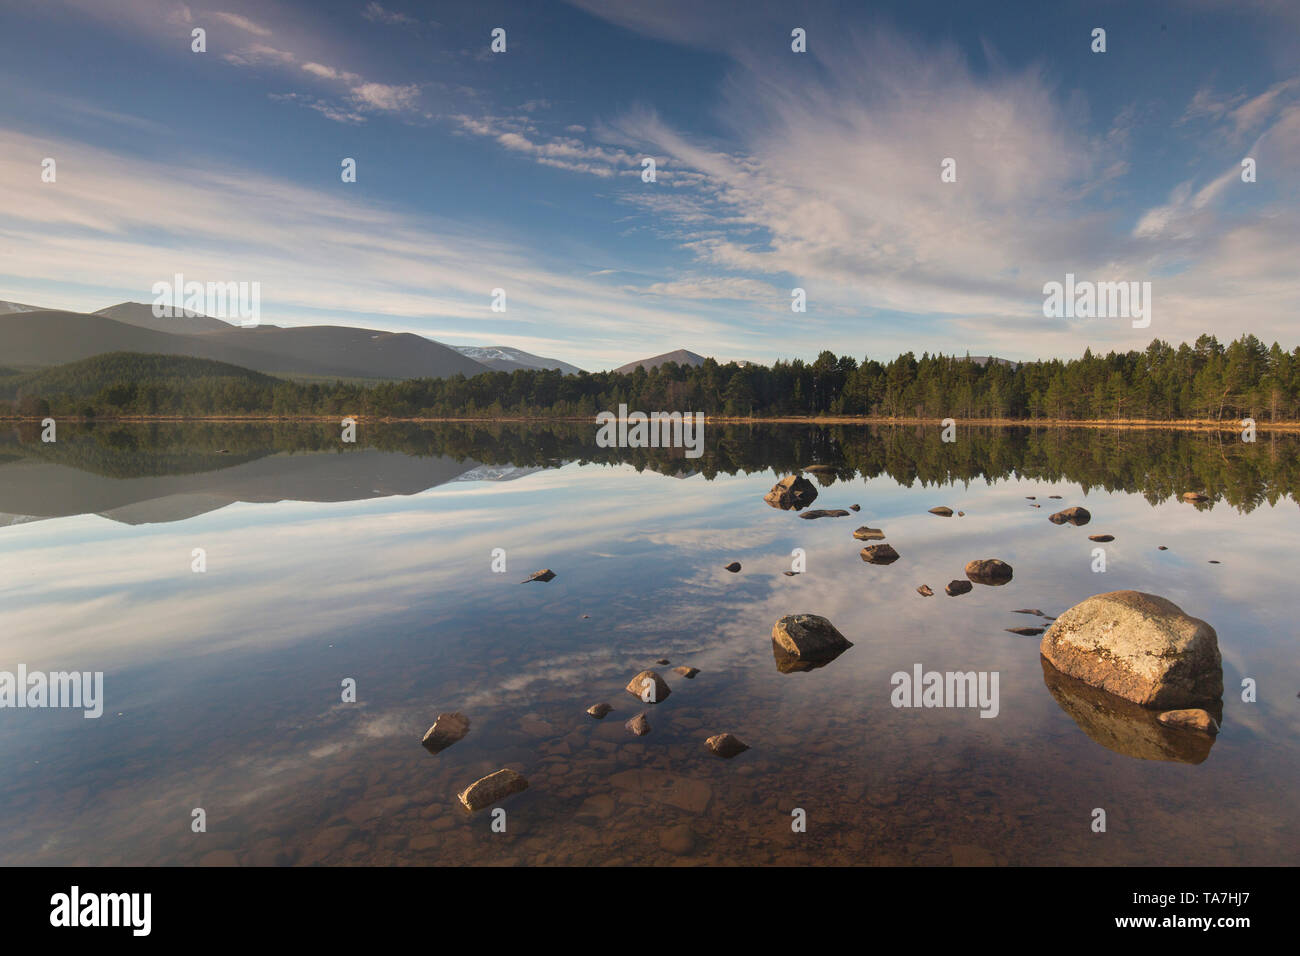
pixel 1204 380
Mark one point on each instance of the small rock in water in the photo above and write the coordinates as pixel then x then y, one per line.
pixel 1212 561
pixel 1035 506
pixel 543 575
pixel 584 617
pixel 649 686
pixel 879 554
pixel 991 571
pixel 957 587
pixel 495 786
pixel 1057 497
pixel 663 661
pixel 789 574
pixel 942 511
pixel 687 672
pixel 791 492
pixel 599 710
pixel 869 534
pixel 924 591
pixel 733 567
pixel 1026 631
pixel 1193 718
pixel 1195 496
pixel 1075 516
pixel 822 469
pixel 1101 537
pixel 1161 547
pixel 961 514
pixel 638 725
pixel 809 637
pixel 819 513
pixel 855 507
pixel 1029 610
pixel 446 730
pixel 726 745
pixel 1031 497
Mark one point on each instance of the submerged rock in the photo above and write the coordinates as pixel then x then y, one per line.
pixel 1025 631
pixel 599 710
pixel 687 672
pixel 1192 718
pixel 791 493
pixel 991 571
pixel 638 725
pixel 733 567
pixel 809 638
pixel 924 591
pixel 649 686
pixel 879 554
pixel 726 745
pixel 663 661
pixel 834 513
pixel 1137 646
pixel 446 730
pixel 869 534
pixel 1075 516
pixel 942 511
pixel 953 588
pixel 543 575
pixel 495 786
pixel 1029 610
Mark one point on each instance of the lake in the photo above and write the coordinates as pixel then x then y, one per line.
pixel 373 561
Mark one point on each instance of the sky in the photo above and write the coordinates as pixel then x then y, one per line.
pixel 522 170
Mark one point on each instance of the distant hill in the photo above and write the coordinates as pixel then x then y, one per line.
pixel 505 359
pixel 141 316
pixel 681 357
pixel 87 376
pixel 49 337
pixel 8 307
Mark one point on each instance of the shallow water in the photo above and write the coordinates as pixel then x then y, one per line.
pixel 373 562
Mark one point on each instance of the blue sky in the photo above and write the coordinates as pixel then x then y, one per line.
pixel 522 170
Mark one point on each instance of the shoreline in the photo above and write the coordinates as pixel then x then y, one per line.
pixel 823 420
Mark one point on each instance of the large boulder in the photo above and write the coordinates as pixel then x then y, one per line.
pixel 791 493
pixel 809 637
pixel 1137 646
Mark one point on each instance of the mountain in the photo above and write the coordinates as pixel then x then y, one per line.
pixel 48 337
pixel 681 357
pixel 8 307
pixel 141 316
pixel 505 359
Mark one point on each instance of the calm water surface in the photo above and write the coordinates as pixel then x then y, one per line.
pixel 373 562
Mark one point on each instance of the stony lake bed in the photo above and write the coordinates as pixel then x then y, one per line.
pixel 375 563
